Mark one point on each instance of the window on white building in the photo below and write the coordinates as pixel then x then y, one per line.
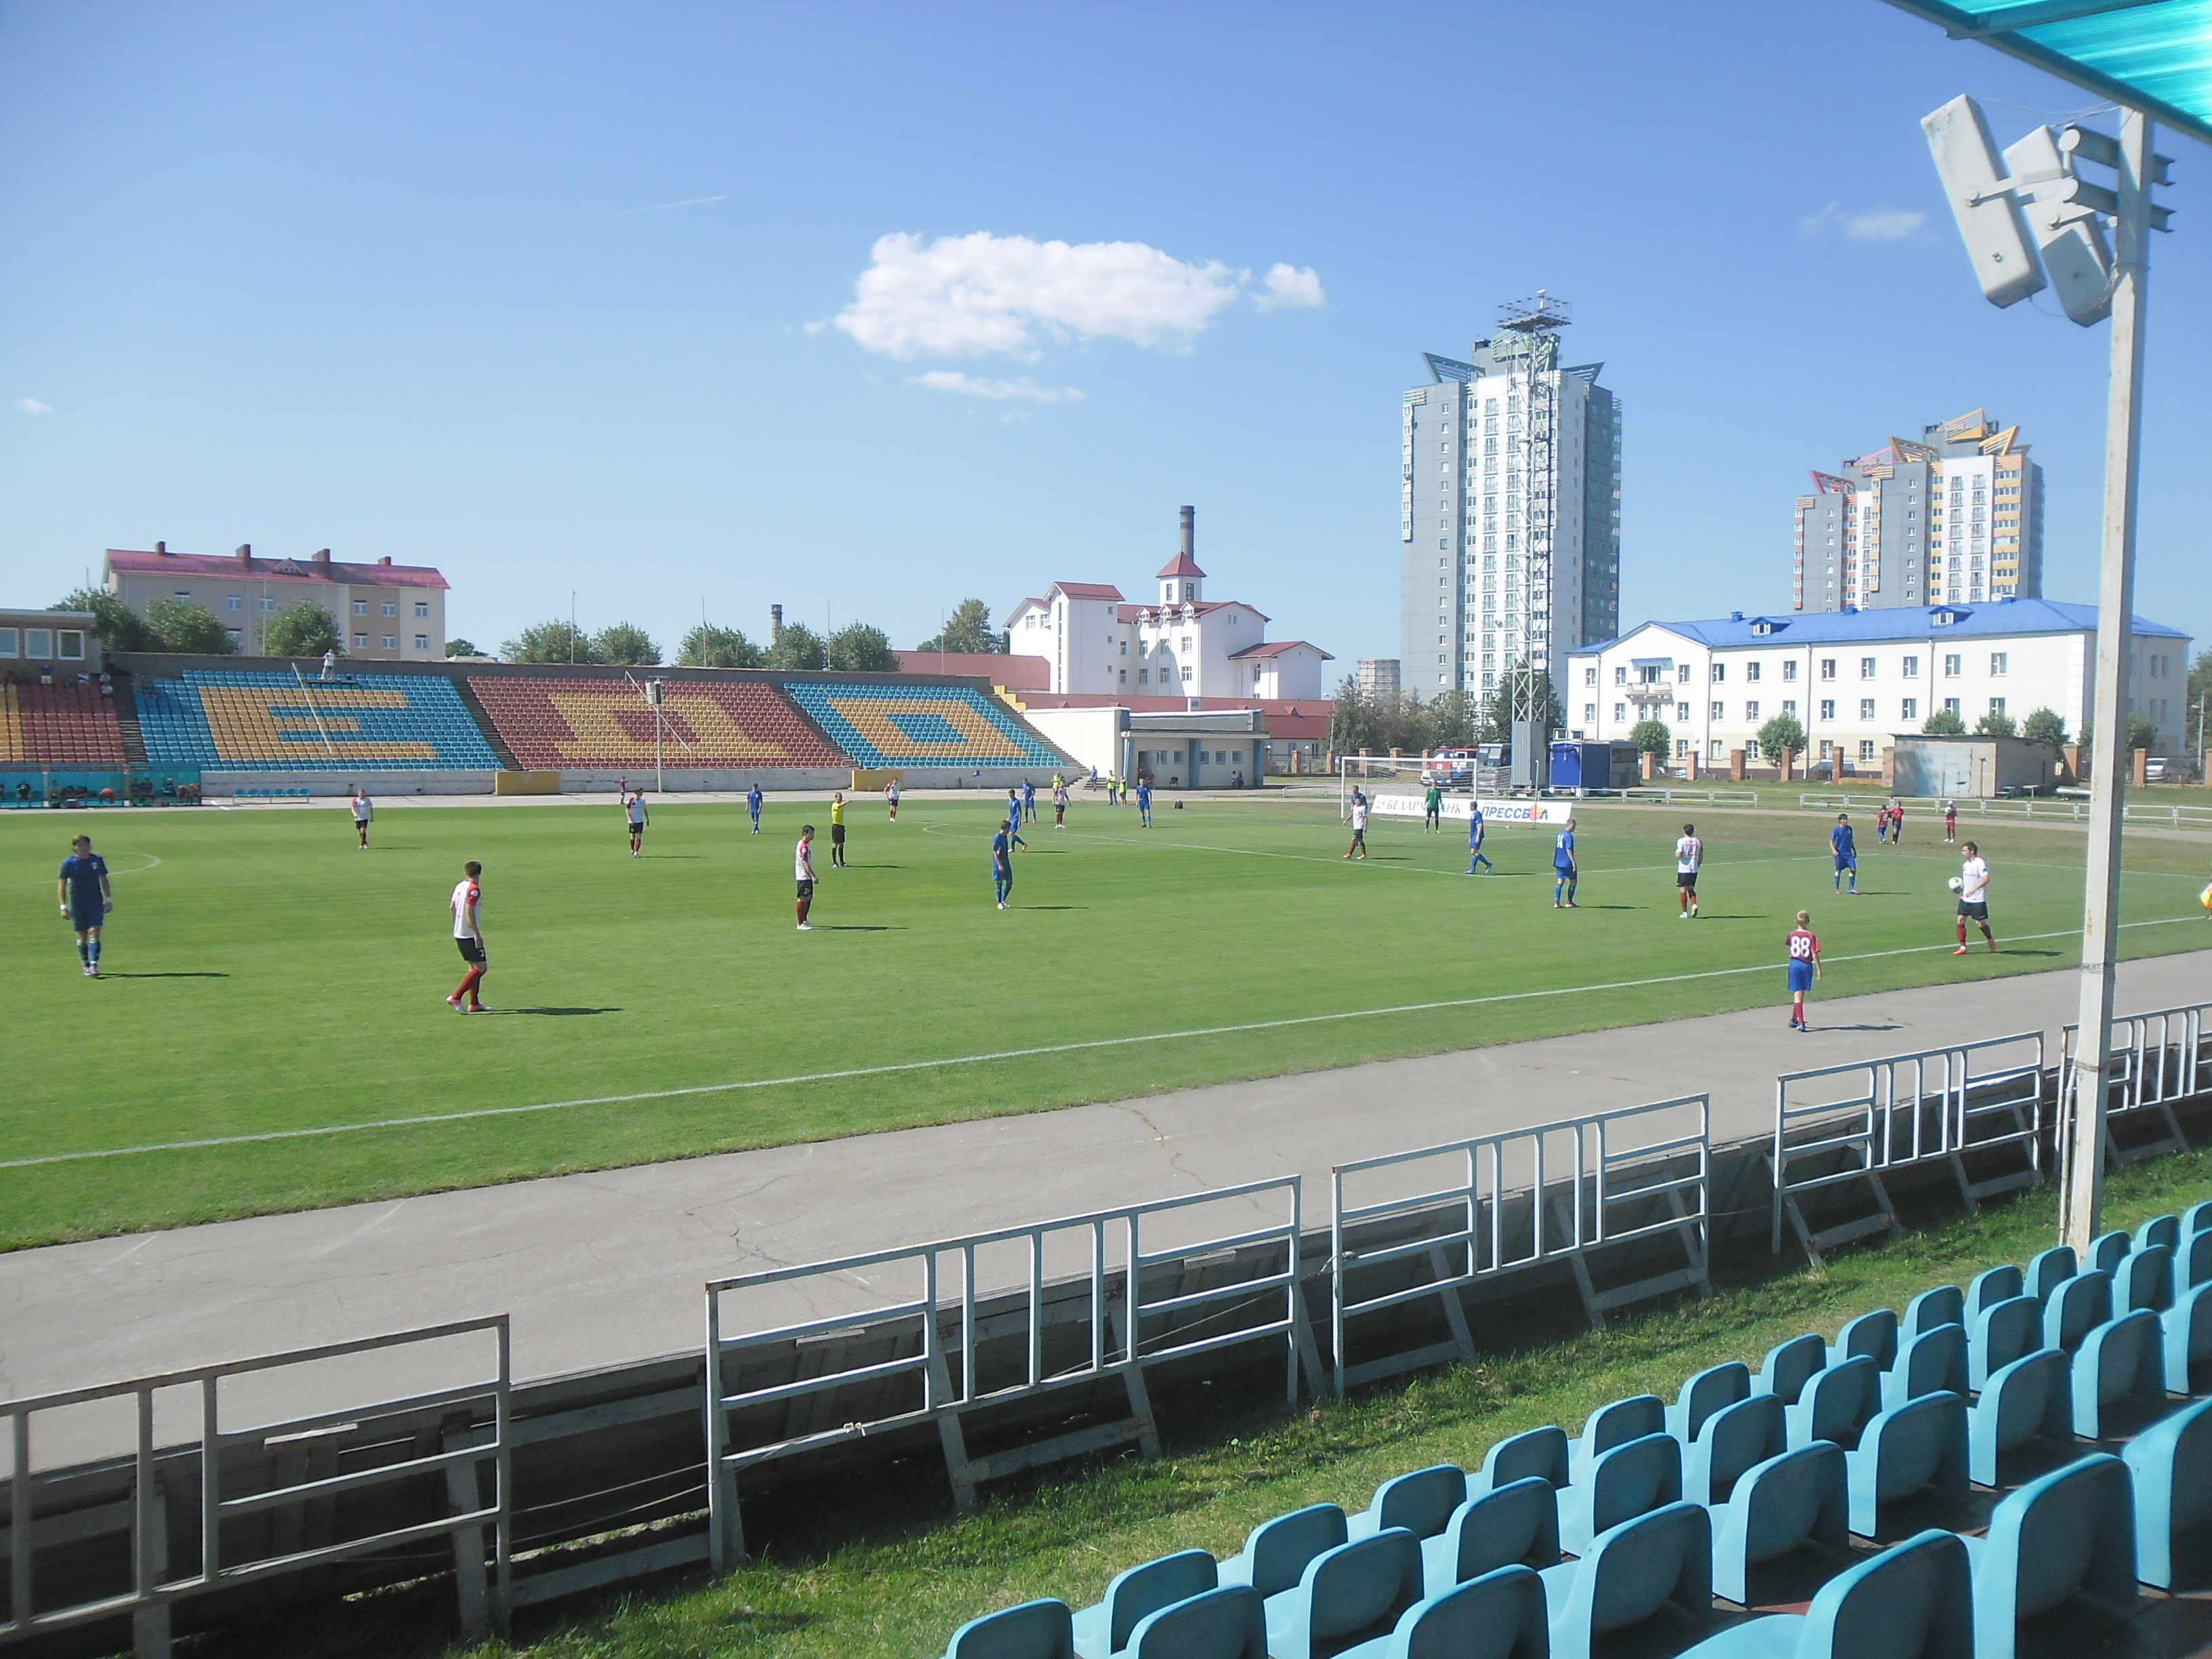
pixel 391 642
pixel 1718 709
pixel 1910 709
pixel 1866 708
pixel 1999 661
pixel 421 609
pixel 1589 713
pixel 422 642
pixel 1951 706
pixel 268 605
pixel 233 603
pixel 1912 668
pixel 1619 676
pixel 1866 668
pixel 1751 671
pixel 1827 708
pixel 1997 705
pixel 1750 709
pixel 360 641
pixel 1951 666
pixel 1720 672
pixel 1590 676
pixel 361 608
pixel 1621 711
pixel 391 608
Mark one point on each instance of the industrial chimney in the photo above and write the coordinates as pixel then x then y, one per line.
pixel 245 554
pixel 1189 533
pixel 774 623
pixel 161 548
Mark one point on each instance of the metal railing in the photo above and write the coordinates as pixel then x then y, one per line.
pixel 194 1471
pixel 1665 793
pixel 2061 808
pixel 1857 1120
pixel 1575 1175
pixel 2158 1060
pixel 1127 1322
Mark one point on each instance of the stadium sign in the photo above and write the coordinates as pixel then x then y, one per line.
pixel 1493 811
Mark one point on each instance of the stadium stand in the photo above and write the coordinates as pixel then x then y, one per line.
pixel 952 726
pixel 58 726
pixel 553 724
pixel 245 720
pixel 2094 1526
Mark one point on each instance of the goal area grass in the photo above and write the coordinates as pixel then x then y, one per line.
pixel 272 1032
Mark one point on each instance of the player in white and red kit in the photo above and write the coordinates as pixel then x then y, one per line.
pixel 467 905
pixel 1804 968
pixel 1689 858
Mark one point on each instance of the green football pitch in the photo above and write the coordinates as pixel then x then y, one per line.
pixel 272 1034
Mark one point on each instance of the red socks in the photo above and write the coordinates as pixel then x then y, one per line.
pixel 468 986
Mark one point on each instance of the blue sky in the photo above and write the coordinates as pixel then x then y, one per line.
pixel 400 279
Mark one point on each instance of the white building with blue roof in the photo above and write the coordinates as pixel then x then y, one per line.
pixel 1855 679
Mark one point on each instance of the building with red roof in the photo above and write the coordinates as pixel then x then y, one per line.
pixel 395 612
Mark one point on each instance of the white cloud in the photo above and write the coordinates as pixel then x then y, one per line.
pixel 1025 390
pixel 33 406
pixel 1015 417
pixel 1881 224
pixel 1290 286
pixel 986 294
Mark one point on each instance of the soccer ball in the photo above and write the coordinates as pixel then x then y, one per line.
pixel 1958 884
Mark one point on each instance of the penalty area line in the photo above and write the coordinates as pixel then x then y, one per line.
pixel 1039 1051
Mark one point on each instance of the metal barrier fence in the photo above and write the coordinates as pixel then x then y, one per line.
pixel 1875 1114
pixel 185 1482
pixel 1104 1323
pixel 1666 795
pixel 2061 808
pixel 1577 1176
pixel 2157 1061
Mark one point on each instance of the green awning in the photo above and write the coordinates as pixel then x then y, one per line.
pixel 2153 55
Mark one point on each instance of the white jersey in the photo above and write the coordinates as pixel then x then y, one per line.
pixel 637 809
pixel 1689 853
pixel 361 809
pixel 1974 881
pixel 1359 815
pixel 803 863
pixel 467 904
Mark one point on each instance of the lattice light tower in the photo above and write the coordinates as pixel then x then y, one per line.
pixel 1537 322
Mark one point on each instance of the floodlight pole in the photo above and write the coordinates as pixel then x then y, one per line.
pixel 2082 1120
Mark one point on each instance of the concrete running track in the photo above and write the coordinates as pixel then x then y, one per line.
pixel 600 1268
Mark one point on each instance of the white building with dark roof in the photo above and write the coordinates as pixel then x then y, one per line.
pixel 1178 644
pixel 394 611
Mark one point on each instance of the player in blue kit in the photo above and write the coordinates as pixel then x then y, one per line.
pixel 1804 968
pixel 1477 859
pixel 1002 865
pixel 1144 803
pixel 1029 800
pixel 1564 871
pixel 753 805
pixel 86 899
pixel 1841 843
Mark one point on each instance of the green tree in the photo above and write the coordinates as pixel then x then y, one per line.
pixel 1447 720
pixel 708 647
pixel 1652 737
pixel 1943 723
pixel 118 627
pixel 304 629
pixel 796 646
pixel 189 628
pixel 2142 733
pixel 857 648
pixel 462 648
pixel 1782 734
pixel 2044 725
pixel 549 641
pixel 968 629
pixel 2194 719
pixel 1497 722
pixel 624 642
pixel 1994 725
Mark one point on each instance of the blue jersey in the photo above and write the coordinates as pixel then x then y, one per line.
pixel 1840 838
pixel 1002 862
pixel 1474 828
pixel 1563 850
pixel 753 801
pixel 1029 794
pixel 84 876
pixel 1144 796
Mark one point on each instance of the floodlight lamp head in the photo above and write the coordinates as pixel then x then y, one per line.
pixel 1980 191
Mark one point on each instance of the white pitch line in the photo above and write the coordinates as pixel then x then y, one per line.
pixel 973 1060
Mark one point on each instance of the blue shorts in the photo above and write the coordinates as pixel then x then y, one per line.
pixel 1847 860
pixel 1800 976
pixel 1563 872
pixel 84 919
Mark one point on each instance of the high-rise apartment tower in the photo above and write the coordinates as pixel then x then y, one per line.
pixel 1950 519
pixel 1509 515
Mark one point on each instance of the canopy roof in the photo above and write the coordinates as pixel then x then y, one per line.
pixel 2152 55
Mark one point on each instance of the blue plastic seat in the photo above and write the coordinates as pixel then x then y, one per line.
pixel 2196 1219
pixel 1626 1482
pixel 1229 1623
pixel 1422 1503
pixel 1733 1441
pixel 2073 1530
pixel 2119 1360
pixel 1795 1498
pixel 1991 1286
pixel 1616 1425
pixel 1104 1628
pixel 1516 1525
pixel 2170 1462
pixel 1872 1334
pixel 2006 1331
pixel 2077 1307
pixel 1353 1594
pixel 2192 1265
pixel 2145 1281
pixel 1500 1615
pixel 2185 1332
pixel 2050 1269
pixel 1914 1601
pixel 1703 1394
pixel 1631 1572
pixel 1035 1630
pixel 2107 1251
pixel 1539 1452
pixel 2032 1396
pixel 1788 1366
pixel 1840 1402
pixel 1946 1305
pixel 1276 1552
pixel 1915 1447
pixel 2159 1229
pixel 1933 1362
